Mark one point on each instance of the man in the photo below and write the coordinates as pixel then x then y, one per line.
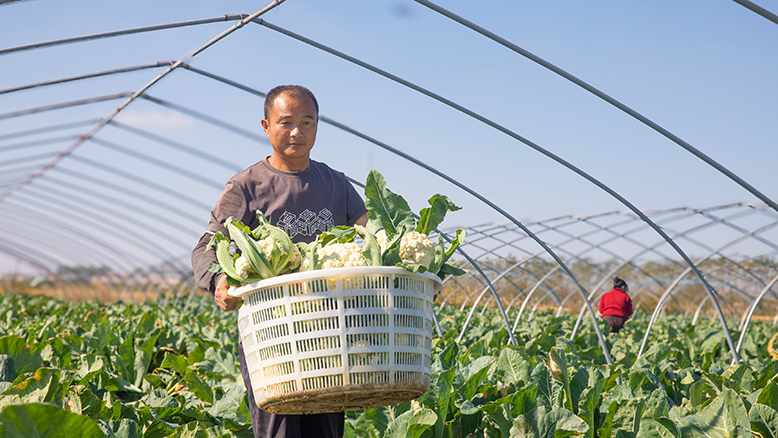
pixel 299 195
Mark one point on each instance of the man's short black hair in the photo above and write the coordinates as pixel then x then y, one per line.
pixel 296 91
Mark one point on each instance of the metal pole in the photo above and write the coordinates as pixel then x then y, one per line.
pixel 751 312
pixel 759 10
pixel 120 33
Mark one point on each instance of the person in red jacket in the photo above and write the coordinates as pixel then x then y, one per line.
pixel 616 305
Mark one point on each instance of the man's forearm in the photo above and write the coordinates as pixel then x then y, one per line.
pixel 200 261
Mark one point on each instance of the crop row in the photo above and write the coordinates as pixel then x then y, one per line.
pixel 169 369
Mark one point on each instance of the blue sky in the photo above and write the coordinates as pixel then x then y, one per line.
pixel 704 70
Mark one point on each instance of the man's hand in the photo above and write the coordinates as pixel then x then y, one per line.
pixel 220 296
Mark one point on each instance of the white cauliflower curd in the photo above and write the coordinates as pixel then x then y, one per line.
pixel 417 248
pixel 341 255
pixel 294 260
pixel 380 237
pixel 243 266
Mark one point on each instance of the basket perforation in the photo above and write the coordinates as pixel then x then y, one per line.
pixel 278 370
pixel 368 359
pixel 406 302
pixel 323 381
pixel 272 332
pixel 366 301
pixel 409 321
pixel 403 358
pixel 315 344
pixel 320 363
pixel 311 306
pixel 312 286
pixel 275 351
pixel 269 314
pixel 367 320
pixel 409 340
pixel 316 325
pixel 367 339
pixel 266 294
pixel 369 378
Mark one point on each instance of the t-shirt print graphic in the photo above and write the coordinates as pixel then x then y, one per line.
pixel 306 223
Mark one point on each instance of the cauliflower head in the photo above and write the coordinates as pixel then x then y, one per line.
pixel 417 248
pixel 244 268
pixel 380 237
pixel 341 255
pixel 294 260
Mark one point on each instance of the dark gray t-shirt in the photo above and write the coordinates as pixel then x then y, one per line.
pixel 303 204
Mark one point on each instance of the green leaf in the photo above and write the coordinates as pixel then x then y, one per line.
pixel 512 369
pixel 557 355
pixel 89 366
pixel 38 388
pixel 281 251
pixel 474 374
pixel 764 420
pixel 371 250
pixel 249 248
pixel 432 216
pixel 26 359
pixel 627 415
pixel 654 355
pixel 765 375
pixel 232 405
pixel 223 256
pixel 390 210
pixel 725 416
pixel 7 368
pixel 541 377
pixel 165 407
pixel 769 395
pixel 144 351
pixel 218 365
pixel 411 424
pixel 658 428
pixel 195 384
pixel 193 429
pixel 125 428
pixel 439 396
pixel 37 420
pixel 114 383
pixel 542 422
pixel 175 362
pixel 589 406
pixel 83 401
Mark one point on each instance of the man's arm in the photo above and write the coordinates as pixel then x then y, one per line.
pixel 211 281
pixel 361 221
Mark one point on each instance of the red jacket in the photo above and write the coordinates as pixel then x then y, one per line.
pixel 616 303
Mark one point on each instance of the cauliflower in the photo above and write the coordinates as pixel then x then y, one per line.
pixel 380 237
pixel 294 260
pixel 340 255
pixel 417 248
pixel 243 266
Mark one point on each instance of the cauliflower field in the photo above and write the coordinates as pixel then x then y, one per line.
pixel 169 369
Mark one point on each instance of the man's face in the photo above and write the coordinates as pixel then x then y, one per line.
pixel 291 127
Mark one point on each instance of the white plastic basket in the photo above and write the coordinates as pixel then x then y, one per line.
pixel 338 339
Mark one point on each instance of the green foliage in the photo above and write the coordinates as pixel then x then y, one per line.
pixel 169 369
